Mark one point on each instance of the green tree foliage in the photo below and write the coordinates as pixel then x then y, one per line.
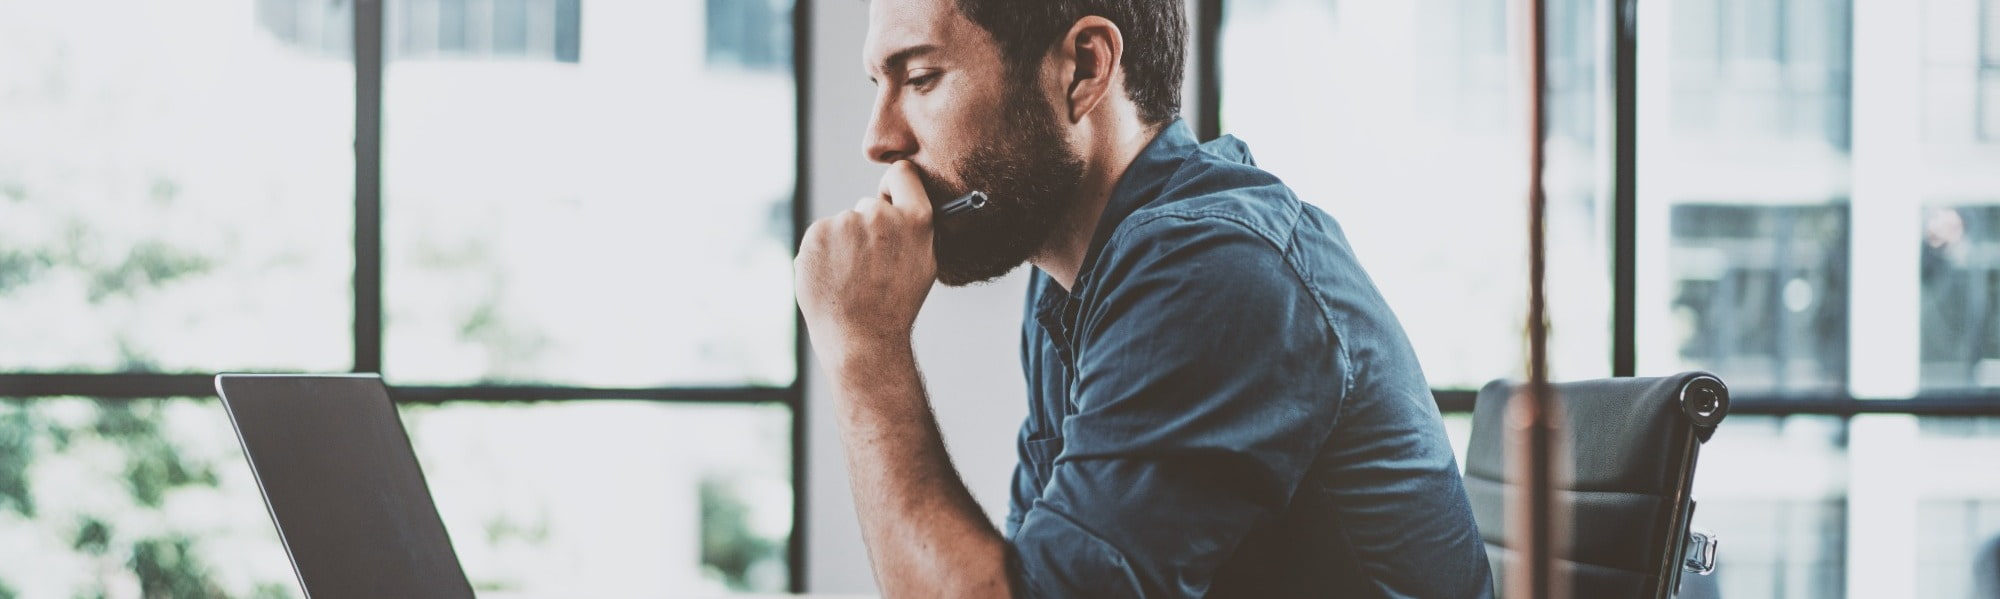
pixel 168 569
pixel 728 545
pixel 16 452
pixel 167 564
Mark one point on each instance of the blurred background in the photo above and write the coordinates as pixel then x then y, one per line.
pixel 562 229
pixel 180 198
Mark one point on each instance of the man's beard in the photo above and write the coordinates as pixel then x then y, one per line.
pixel 1030 175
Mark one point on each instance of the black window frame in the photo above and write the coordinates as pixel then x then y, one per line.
pixel 369 59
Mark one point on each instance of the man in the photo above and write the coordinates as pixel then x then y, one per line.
pixel 1220 402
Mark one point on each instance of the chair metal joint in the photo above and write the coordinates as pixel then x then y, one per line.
pixel 1700 555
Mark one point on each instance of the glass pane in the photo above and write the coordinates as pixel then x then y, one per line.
pixel 1743 191
pixel 121 498
pixel 1989 101
pixel 130 498
pixel 1760 293
pixel 176 186
pixel 1951 102
pixel 1849 514
pixel 1404 120
pixel 1957 227
pixel 556 217
pixel 1957 516
pixel 1962 70
pixel 611 498
pixel 1783 536
pixel 1989 28
pixel 1961 297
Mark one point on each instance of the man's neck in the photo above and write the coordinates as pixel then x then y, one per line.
pixel 1062 256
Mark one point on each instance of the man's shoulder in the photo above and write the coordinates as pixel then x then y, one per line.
pixel 1231 242
pixel 1214 197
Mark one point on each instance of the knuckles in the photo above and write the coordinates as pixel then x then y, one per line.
pixel 862 231
pixel 814 239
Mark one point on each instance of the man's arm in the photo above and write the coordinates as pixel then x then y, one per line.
pixel 861 278
pixel 926 536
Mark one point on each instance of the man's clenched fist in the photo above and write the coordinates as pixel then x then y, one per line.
pixel 862 275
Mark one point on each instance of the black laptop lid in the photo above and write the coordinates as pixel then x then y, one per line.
pixel 343 486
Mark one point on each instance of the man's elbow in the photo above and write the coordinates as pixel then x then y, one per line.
pixel 992 586
pixel 972 570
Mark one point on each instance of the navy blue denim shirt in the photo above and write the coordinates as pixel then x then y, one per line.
pixel 1224 406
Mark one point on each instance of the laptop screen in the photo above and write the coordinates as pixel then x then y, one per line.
pixel 343 486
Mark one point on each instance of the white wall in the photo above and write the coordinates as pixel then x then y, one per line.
pixel 968 340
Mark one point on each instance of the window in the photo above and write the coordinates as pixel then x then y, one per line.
pixel 1786 534
pixel 486 29
pixel 1961 297
pixel 541 220
pixel 187 191
pixel 1402 121
pixel 1768 70
pixel 747 35
pixel 547 30
pixel 1759 293
pixel 1989 71
pixel 611 498
pixel 1962 70
pixel 176 193
pixel 1748 179
pixel 1849 481
pixel 1813 207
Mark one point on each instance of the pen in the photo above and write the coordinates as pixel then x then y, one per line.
pixel 970 202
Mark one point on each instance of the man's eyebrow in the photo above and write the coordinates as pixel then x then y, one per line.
pixel 897 58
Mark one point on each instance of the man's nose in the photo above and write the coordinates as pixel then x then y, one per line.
pixel 888 139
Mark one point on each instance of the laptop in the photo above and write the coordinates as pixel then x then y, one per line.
pixel 343 486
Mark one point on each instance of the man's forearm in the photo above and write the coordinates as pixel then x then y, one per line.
pixel 925 534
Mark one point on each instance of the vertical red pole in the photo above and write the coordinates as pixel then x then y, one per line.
pixel 1532 416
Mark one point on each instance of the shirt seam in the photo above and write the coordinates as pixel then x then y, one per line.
pixel 1285 253
pixel 1305 281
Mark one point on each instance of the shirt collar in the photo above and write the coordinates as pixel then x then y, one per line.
pixel 1140 185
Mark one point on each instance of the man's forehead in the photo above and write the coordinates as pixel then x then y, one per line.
pixel 898 25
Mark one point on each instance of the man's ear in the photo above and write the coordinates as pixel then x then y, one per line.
pixel 1092 49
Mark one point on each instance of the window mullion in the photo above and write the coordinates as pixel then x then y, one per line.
pixel 368 61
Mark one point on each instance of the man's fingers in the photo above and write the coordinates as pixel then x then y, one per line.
pixel 905 188
pixel 869 204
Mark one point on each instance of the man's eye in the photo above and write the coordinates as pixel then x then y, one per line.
pixel 923 81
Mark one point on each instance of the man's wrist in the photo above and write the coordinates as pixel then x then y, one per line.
pixel 865 364
pixel 866 357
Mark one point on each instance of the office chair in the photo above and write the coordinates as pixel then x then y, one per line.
pixel 1634 442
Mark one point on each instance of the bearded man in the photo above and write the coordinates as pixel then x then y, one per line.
pixel 1220 402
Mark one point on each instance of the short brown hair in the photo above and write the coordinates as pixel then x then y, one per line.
pixel 1155 42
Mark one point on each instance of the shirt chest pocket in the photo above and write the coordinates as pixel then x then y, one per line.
pixel 1041 454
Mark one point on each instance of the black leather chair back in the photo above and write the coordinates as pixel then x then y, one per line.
pixel 1633 442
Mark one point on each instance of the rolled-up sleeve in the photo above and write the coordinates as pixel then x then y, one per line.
pixel 1203 393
